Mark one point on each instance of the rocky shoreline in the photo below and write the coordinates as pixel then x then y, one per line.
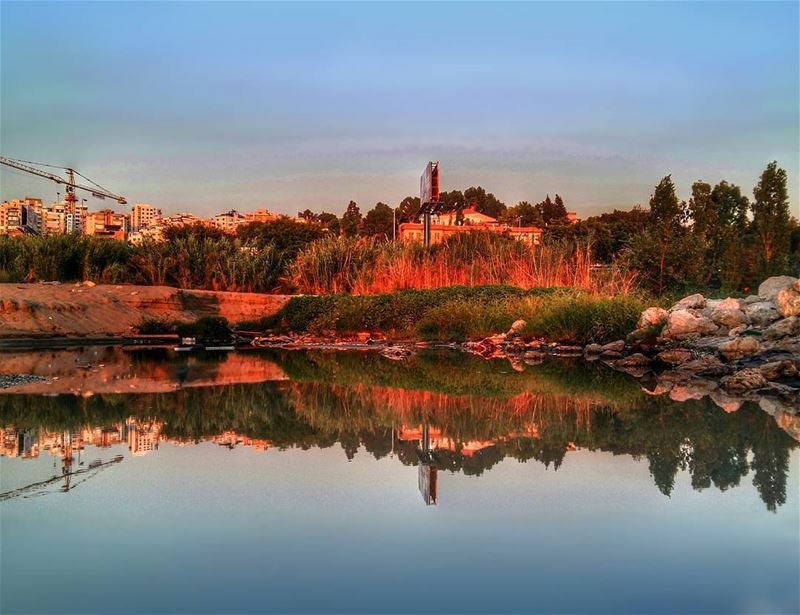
pixel 730 350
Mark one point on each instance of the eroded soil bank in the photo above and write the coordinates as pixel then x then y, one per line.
pixel 47 310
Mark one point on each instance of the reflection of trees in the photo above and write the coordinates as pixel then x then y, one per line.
pixel 770 466
pixel 536 418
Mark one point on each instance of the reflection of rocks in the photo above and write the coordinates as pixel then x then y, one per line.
pixel 778 369
pixel 675 356
pixel 8 381
pixel 696 388
pixel 397 353
pixel 747 379
pixel 727 402
pixel 739 347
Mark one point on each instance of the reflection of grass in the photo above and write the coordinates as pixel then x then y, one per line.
pixel 457 373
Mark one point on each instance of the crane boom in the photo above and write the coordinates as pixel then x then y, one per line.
pixel 69 182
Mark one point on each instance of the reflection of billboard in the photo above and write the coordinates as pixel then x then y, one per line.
pixel 428 486
pixel 429 184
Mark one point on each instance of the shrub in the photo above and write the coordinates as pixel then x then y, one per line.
pixel 156 326
pixel 459 313
pixel 209 330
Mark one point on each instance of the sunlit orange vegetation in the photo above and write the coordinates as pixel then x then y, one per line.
pixel 365 266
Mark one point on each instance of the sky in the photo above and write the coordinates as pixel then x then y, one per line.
pixel 211 106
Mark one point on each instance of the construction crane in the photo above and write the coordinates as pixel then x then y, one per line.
pixel 95 189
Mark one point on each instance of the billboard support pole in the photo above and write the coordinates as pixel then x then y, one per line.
pixel 426 229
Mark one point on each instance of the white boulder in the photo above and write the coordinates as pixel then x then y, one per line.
pixel 687 324
pixel 769 288
pixel 652 317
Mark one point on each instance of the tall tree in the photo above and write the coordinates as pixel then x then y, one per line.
pixel 665 208
pixel 727 248
pixel 665 255
pixel 732 206
pixel 485 203
pixel 408 209
pixel 552 212
pixel 351 220
pixel 330 222
pixel 378 221
pixel 523 214
pixel 771 220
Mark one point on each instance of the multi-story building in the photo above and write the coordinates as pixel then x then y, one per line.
pixel 447 225
pixel 260 215
pixel 182 219
pixel 107 223
pixel 229 221
pixel 144 215
pixel 154 233
pixel 11 217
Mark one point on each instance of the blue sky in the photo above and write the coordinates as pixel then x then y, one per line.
pixel 208 106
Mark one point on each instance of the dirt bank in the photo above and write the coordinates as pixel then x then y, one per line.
pixel 33 310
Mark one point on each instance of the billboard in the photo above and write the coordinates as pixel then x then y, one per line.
pixel 429 184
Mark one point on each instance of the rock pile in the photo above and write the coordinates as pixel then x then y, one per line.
pixel 747 348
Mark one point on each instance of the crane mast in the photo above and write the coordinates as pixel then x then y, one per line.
pixel 69 183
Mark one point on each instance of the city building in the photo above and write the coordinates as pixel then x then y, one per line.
pixel 144 215
pixel 447 225
pixel 228 221
pixel 107 223
pixel 154 233
pixel 182 219
pixel 260 215
pixel 11 217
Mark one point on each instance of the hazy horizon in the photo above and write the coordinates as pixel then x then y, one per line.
pixel 207 107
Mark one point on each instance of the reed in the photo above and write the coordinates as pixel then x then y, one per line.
pixel 367 266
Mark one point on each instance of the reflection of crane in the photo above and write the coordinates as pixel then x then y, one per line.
pixel 37 488
pixel 70 184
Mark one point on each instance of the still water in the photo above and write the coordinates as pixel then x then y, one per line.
pixel 347 482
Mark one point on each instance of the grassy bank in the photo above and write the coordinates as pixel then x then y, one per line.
pixel 460 313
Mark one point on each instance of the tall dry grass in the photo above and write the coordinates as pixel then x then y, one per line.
pixel 366 266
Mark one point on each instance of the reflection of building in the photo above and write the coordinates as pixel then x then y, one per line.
pixel 447 225
pixel 231 440
pixel 142 437
pixel 18 443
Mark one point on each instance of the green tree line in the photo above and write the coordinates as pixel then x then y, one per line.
pixel 719 238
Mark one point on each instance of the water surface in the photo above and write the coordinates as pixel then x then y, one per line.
pixel 324 482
